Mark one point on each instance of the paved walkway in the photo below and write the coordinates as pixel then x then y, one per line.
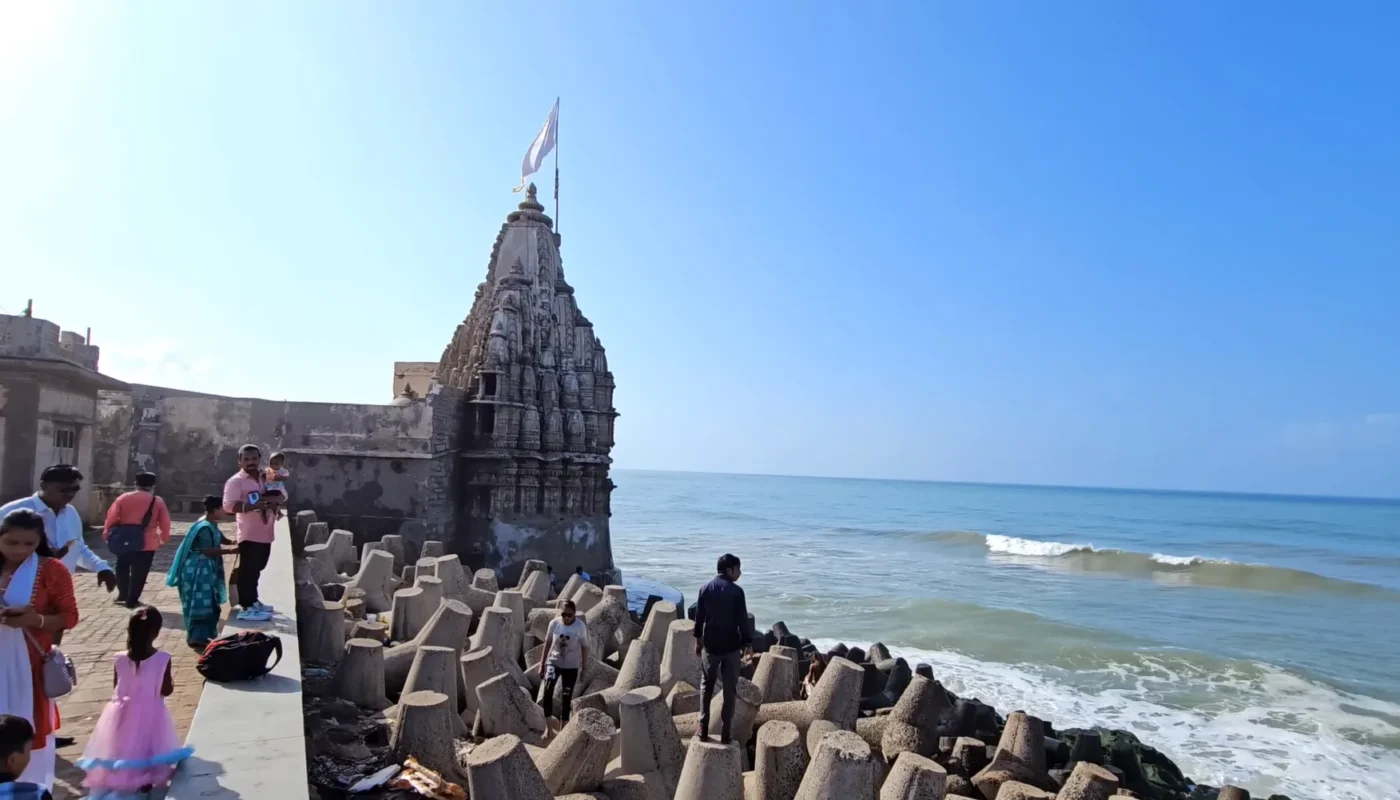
pixel 101 632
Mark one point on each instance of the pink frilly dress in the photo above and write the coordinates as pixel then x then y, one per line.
pixel 134 744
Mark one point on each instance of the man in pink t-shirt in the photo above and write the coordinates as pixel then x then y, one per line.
pixel 244 497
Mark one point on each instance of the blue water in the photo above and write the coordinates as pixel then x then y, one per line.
pixel 1254 639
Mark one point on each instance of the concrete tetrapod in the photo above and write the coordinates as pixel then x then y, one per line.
pixel 836 697
pixel 360 676
pixel 659 620
pixel 712 771
pixel 535 586
pixel 1092 782
pixel 587 597
pixel 431 549
pixel 485 580
pixel 321 559
pixel 318 533
pixel 577 758
pixel 1020 756
pixel 503 707
pixel 571 586
pixel 477 667
pixel 321 631
pixel 602 622
pixel 435 669
pixel 640 668
pixel 912 726
pixel 413 608
pixel 495 631
pixel 447 628
pixel 515 601
pixel 650 744
pixel 1227 792
pixel 501 769
pixel 775 677
pixel 370 629
pixel 1015 790
pixel 424 731
pixel 780 759
pixel 376 571
pixel 393 545
pixel 679 661
pixel 841 769
pixel 342 545
pixel 914 777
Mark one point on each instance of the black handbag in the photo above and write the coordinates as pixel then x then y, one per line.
pixel 126 539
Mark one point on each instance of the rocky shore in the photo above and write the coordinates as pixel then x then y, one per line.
pixel 421 664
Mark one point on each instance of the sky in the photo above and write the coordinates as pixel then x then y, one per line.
pixel 1085 243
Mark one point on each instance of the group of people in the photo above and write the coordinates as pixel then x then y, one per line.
pixel 723 637
pixel 134 746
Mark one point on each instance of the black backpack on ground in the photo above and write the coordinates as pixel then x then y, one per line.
pixel 240 657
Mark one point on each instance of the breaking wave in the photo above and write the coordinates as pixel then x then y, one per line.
pixel 1190 570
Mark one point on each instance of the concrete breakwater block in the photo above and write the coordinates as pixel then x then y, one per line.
pixel 842 769
pixel 1092 782
pixel 649 742
pixel 424 730
pixel 577 758
pixel 914 777
pixel 658 623
pixel 780 759
pixel 486 580
pixel 679 661
pixel 501 769
pixel 712 771
pixel 447 628
pixel 1020 756
pixel 413 608
pixel 1015 790
pixel 503 707
pixel 776 677
pixel 360 676
pixel 835 698
pixel 375 577
pixel 435 669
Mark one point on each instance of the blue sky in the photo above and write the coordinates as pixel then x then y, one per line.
pixel 1125 244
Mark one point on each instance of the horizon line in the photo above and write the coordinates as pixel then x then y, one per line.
pixel 1013 485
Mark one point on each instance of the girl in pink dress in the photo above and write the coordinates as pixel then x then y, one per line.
pixel 134 748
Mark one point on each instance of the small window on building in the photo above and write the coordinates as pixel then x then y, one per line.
pixel 486 420
pixel 488 385
pixel 65 444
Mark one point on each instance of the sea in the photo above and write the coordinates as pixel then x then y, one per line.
pixel 1254 639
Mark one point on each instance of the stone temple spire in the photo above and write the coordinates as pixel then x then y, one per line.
pixel 538 419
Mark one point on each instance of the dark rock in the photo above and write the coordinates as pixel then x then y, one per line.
pixel 839 650
pixel 924 670
pixel 875 680
pixel 963 720
pixel 878 652
pixel 855 655
pixel 1085 746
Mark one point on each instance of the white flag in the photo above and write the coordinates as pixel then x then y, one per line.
pixel 534 157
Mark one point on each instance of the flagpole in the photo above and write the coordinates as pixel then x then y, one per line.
pixel 556 165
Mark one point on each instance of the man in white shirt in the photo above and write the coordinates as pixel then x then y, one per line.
pixel 62 525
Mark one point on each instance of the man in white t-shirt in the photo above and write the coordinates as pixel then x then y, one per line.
pixel 566 646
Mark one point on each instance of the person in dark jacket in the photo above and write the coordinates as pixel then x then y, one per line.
pixel 721 639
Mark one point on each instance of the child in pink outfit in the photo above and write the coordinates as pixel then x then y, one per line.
pixel 134 748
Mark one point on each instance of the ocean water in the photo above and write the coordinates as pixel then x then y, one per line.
pixel 1253 639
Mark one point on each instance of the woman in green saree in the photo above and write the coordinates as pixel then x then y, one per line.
pixel 198 572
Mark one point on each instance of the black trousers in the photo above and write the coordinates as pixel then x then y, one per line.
pixel 725 667
pixel 132 570
pixel 569 677
pixel 252 560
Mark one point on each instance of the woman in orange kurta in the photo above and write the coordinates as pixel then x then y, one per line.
pixel 36 600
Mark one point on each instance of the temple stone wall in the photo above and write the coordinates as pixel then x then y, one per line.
pixel 538 416
pixel 367 468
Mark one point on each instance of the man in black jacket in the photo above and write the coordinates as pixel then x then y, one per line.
pixel 721 637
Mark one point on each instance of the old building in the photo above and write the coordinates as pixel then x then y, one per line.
pixel 48 404
pixel 538 417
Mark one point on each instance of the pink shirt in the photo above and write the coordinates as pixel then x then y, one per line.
pixel 253 526
pixel 130 509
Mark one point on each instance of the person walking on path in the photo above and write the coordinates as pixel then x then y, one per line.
pixel 134 747
pixel 137 509
pixel 63 526
pixel 721 639
pixel 566 644
pixel 198 573
pixel 36 601
pixel 244 497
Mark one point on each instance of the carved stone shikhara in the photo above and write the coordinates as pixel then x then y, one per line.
pixel 538 415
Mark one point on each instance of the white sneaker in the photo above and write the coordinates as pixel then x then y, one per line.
pixel 253 615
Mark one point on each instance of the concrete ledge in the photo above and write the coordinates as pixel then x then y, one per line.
pixel 248 737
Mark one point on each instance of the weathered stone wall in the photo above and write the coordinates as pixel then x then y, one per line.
pixel 366 468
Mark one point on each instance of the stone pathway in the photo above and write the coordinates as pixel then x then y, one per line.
pixel 101 632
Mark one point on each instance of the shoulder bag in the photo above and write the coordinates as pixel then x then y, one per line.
pixel 127 539
pixel 58 672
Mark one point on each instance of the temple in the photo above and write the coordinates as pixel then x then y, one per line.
pixel 537 416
